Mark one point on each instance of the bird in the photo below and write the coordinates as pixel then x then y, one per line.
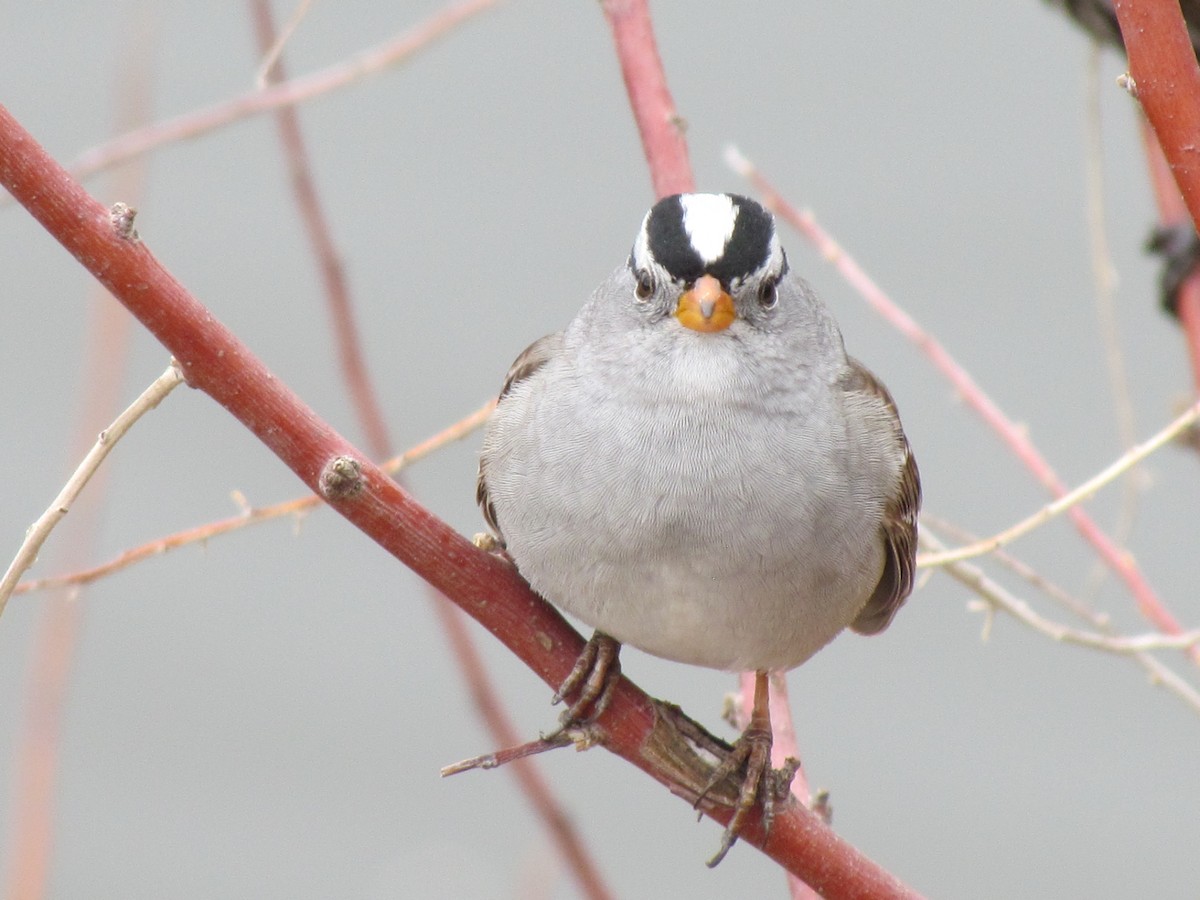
pixel 696 468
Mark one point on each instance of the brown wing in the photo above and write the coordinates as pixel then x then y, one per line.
pixel 531 359
pixel 899 527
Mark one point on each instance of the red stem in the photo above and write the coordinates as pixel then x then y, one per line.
pixel 1162 62
pixel 488 589
pixel 1173 213
pixel 658 123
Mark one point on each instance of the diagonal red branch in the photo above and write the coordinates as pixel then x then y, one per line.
pixel 488 589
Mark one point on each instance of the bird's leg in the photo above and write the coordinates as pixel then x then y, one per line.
pixel 595 675
pixel 751 754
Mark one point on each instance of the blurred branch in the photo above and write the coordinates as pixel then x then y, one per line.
pixel 489 589
pixel 329 264
pixel 340 75
pixel 60 619
pixel 662 132
pixel 269 70
pixel 1104 274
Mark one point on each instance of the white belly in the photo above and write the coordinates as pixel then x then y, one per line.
pixel 719 552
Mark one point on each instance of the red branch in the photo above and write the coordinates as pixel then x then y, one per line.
pixel 658 123
pixel 487 588
pixel 1173 213
pixel 1162 63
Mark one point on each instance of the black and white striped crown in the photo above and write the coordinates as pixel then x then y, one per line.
pixel 724 235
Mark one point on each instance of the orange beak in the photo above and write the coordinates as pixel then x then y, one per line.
pixel 705 307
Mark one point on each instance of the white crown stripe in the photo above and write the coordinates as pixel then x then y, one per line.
pixel 708 220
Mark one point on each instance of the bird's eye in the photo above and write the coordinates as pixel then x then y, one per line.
pixel 645 285
pixel 768 292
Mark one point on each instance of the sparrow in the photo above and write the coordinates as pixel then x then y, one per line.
pixel 695 467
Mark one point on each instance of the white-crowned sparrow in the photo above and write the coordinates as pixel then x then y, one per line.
pixel 695 467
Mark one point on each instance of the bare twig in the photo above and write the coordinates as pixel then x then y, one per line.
pixel 566 838
pixel 998 598
pixel 1068 500
pixel 1105 276
pixel 40 530
pixel 274 49
pixel 1102 264
pixel 324 250
pixel 251 515
pixel 1024 571
pixel 1120 561
pixel 339 75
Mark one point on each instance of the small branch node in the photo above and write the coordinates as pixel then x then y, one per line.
pixel 1126 83
pixel 121 215
pixel 341 479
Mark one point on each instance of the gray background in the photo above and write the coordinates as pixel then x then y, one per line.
pixel 266 716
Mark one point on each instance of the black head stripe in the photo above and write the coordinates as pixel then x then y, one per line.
pixel 749 246
pixel 669 243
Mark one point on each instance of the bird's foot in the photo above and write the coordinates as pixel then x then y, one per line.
pixel 751 756
pixel 595 676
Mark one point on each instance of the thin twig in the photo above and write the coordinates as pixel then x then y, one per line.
pixel 1105 276
pixel 662 132
pixel 251 515
pixel 999 598
pixel 1103 270
pixel 340 75
pixel 271 54
pixel 40 530
pixel 1064 598
pixel 324 250
pixel 1068 500
pixel 1118 559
